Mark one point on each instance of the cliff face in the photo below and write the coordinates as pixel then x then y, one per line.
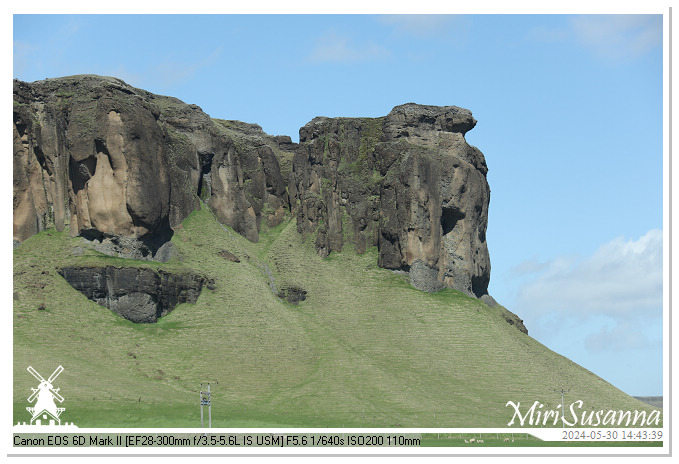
pixel 118 162
pixel 407 183
pixel 124 166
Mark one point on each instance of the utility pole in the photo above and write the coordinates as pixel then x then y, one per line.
pixel 205 401
pixel 563 406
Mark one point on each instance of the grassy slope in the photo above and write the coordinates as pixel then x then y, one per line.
pixel 364 349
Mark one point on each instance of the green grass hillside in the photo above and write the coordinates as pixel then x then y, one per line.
pixel 364 349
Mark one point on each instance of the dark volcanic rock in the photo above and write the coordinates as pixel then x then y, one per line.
pixel 122 166
pixel 407 183
pixel 88 151
pixel 111 160
pixel 293 294
pixel 137 294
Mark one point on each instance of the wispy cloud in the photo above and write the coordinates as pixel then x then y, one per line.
pixel 625 335
pixel 611 301
pixel 621 277
pixel 173 71
pixel 421 25
pixel 613 38
pixel 529 266
pixel 339 48
pixel 618 37
pixel 21 56
pixel 50 54
pixel 549 34
pixel 69 29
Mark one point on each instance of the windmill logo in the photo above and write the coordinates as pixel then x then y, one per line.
pixel 45 408
pixel 45 412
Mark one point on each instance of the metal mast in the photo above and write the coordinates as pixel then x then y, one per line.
pixel 563 412
pixel 205 401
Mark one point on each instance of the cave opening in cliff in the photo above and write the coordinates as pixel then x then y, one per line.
pixel 449 217
pixel 480 285
pixel 81 171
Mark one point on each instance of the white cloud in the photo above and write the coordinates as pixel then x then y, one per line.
pixel 334 47
pixel 614 38
pixel 625 335
pixel 621 277
pixel 618 37
pixel 597 306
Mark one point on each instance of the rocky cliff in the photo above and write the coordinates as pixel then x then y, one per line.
pixel 121 165
pixel 117 163
pixel 407 183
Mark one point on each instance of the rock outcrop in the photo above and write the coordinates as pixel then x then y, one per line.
pixel 122 167
pixel 137 294
pixel 407 183
pixel 113 161
pixel 292 294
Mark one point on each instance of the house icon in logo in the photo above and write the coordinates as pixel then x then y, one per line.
pixel 45 412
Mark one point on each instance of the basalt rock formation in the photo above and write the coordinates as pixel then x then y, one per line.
pixel 112 161
pixel 137 294
pixel 122 166
pixel 407 183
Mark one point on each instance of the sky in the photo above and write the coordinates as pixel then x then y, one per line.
pixel 570 120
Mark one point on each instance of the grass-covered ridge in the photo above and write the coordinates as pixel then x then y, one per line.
pixel 364 348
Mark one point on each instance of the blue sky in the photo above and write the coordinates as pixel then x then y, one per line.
pixel 570 119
